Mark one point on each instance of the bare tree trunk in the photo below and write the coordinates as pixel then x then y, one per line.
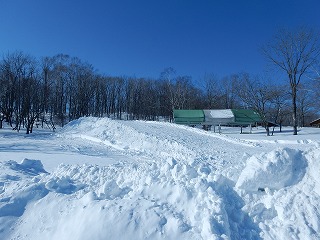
pixel 294 112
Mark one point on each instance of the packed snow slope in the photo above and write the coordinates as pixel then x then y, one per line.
pixel 104 179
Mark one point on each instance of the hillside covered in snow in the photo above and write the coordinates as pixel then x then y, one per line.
pixel 105 179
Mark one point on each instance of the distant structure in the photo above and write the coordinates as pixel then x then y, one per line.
pixel 217 117
pixel 315 123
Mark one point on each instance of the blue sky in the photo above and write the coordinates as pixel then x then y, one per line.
pixel 142 37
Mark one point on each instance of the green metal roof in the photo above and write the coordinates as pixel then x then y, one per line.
pixel 182 116
pixel 245 116
pixel 196 117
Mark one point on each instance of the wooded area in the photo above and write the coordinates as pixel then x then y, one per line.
pixel 55 90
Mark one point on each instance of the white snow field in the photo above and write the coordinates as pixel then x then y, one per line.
pixel 105 179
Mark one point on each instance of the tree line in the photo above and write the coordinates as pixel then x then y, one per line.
pixel 56 90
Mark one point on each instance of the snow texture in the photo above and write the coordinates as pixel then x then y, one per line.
pixel 274 170
pixel 104 179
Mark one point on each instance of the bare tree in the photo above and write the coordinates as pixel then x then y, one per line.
pixel 169 76
pixel 256 95
pixel 229 91
pixel 315 72
pixel 305 105
pixel 212 93
pixel 294 52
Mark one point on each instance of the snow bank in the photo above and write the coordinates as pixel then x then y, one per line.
pixel 151 139
pixel 288 207
pixel 149 200
pixel 274 170
pixel 123 137
pixel 28 166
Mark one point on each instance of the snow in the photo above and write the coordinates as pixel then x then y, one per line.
pixel 274 170
pixel 105 179
pixel 220 116
pixel 221 113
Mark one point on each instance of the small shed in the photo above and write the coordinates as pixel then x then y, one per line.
pixel 315 123
pixel 188 117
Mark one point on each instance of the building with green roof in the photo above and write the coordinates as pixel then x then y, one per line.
pixel 245 116
pixel 188 117
pixel 215 117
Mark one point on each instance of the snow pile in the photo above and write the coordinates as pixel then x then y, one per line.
pixel 289 205
pixel 273 170
pixel 123 137
pixel 30 166
pixel 159 141
pixel 150 200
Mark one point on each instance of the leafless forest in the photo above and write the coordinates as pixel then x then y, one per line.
pixel 54 90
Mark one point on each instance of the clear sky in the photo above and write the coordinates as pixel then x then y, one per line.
pixel 142 37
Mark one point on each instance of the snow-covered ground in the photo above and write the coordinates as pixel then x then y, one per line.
pixel 106 179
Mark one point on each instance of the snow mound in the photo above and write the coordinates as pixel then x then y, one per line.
pixel 291 212
pixel 111 190
pixel 18 188
pixel 155 140
pixel 147 200
pixel 274 170
pixel 62 185
pixel 126 138
pixel 16 204
pixel 27 166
